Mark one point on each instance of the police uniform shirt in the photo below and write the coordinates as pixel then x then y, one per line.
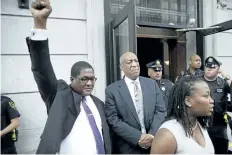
pixel 165 87
pixel 188 73
pixel 164 84
pixel 219 91
pixel 8 112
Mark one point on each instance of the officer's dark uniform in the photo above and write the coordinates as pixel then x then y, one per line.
pixel 164 84
pixel 188 73
pixel 219 90
pixel 8 112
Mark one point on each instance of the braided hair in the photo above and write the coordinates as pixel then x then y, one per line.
pixel 177 108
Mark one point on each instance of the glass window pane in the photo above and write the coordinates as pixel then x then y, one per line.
pixel 121 40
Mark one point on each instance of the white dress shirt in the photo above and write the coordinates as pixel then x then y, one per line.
pixel 131 86
pixel 81 139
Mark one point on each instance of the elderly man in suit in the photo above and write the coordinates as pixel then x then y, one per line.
pixel 76 121
pixel 134 109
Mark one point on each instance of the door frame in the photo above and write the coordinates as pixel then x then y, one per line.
pixel 112 56
pixel 128 12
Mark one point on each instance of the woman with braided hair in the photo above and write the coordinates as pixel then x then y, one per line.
pixel 184 130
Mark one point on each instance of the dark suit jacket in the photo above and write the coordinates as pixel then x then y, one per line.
pixel 122 116
pixel 59 100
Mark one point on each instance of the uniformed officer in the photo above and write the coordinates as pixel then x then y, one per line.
pixel 194 67
pixel 219 90
pixel 155 69
pixel 9 123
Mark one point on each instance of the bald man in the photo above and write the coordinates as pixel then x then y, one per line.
pixel 194 67
pixel 134 109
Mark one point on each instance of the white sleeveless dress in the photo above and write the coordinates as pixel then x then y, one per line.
pixel 187 145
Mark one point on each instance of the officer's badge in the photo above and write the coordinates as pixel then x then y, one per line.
pixel 12 105
pixel 163 88
pixel 210 60
pixel 157 62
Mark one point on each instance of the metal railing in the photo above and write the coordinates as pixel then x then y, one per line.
pixel 171 12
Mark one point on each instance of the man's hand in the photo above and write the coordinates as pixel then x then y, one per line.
pixel 40 10
pixel 145 141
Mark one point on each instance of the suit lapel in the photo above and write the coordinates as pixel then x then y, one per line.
pixel 74 106
pixel 146 94
pixel 124 91
pixel 100 109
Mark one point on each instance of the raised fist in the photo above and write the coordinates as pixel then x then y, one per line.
pixel 40 10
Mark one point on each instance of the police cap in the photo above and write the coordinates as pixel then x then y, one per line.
pixel 211 62
pixel 155 65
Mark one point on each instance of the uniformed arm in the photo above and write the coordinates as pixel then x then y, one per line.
pixel 13 125
pixel 39 53
pixel 12 113
pixel 231 93
pixel 228 90
pixel 164 143
pixel 160 111
pixel 229 108
pixel 122 129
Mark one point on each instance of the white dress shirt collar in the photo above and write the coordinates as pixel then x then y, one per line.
pixel 129 81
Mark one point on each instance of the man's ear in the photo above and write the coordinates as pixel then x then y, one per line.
pixel 149 72
pixel 121 67
pixel 72 79
pixel 190 62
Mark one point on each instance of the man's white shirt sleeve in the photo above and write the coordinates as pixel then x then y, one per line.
pixel 39 34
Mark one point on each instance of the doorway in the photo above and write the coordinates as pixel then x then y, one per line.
pixel 172 53
pixel 148 50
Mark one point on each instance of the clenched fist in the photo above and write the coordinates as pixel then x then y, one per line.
pixel 40 10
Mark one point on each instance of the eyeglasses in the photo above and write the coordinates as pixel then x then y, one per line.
pixel 84 80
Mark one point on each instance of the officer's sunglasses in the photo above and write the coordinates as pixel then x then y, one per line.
pixel 84 80
pixel 210 65
pixel 157 70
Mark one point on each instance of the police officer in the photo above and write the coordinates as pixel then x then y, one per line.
pixel 155 69
pixel 194 67
pixel 219 90
pixel 9 123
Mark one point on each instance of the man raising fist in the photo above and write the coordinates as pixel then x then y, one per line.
pixel 76 121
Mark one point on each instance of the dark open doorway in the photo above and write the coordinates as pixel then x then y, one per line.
pixel 148 49
pixel 171 52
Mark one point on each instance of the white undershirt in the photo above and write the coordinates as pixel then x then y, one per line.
pixel 81 139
